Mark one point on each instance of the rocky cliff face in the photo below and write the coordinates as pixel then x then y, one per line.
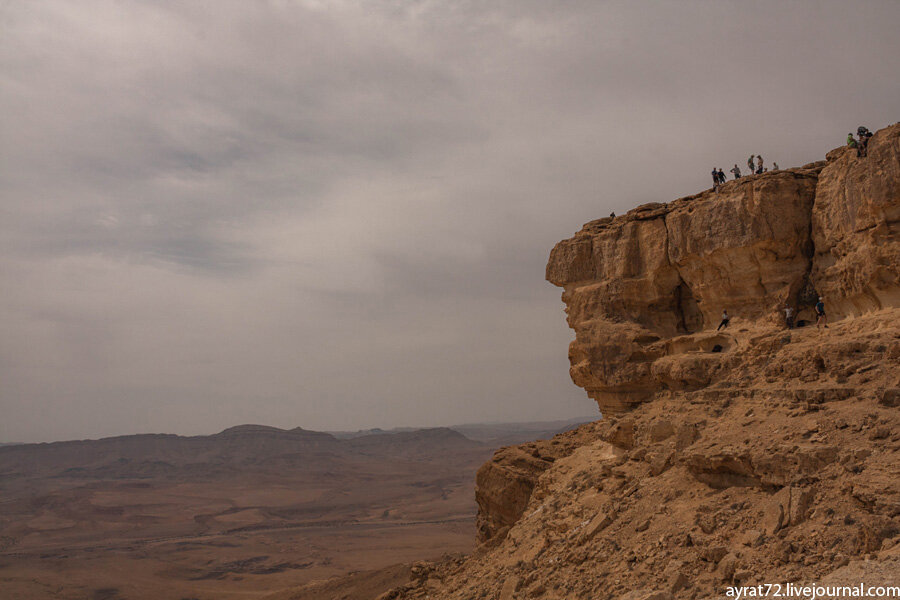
pixel 748 456
pixel 856 227
pixel 645 291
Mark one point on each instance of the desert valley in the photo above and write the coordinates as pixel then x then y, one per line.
pixel 238 514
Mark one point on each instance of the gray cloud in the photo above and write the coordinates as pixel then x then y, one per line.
pixel 336 214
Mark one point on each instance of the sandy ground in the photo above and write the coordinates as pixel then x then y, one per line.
pixel 243 536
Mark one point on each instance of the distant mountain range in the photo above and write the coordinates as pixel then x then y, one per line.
pixel 256 447
pixel 260 447
pixel 494 434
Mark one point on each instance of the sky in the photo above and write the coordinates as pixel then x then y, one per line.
pixel 336 215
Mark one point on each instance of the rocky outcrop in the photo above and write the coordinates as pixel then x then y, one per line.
pixel 789 472
pixel 503 485
pixel 748 456
pixel 645 291
pixel 856 227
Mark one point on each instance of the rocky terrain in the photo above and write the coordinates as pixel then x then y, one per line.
pixel 751 455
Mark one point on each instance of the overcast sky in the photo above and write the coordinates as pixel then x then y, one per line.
pixel 336 215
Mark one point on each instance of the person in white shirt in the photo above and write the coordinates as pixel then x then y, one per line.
pixel 725 319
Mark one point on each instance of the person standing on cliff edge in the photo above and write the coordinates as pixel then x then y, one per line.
pixel 750 165
pixel 736 171
pixel 759 165
pixel 725 319
pixel 715 176
pixel 788 316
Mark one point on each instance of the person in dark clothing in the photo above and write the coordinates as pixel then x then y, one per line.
pixel 736 171
pixel 715 176
pixel 821 319
pixel 759 165
pixel 864 144
pixel 721 176
pixel 750 165
pixel 725 319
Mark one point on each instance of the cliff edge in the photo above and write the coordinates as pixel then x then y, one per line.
pixel 752 455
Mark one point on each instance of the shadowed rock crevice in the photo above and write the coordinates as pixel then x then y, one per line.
pixel 691 318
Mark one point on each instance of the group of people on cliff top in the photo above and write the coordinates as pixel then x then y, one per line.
pixel 755 164
pixel 821 319
pixel 862 146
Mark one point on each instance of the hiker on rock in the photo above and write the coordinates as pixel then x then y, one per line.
pixel 715 176
pixel 788 316
pixel 821 319
pixel 736 171
pixel 863 149
pixel 775 166
pixel 721 176
pixel 851 143
pixel 725 319
pixel 759 165
pixel 750 165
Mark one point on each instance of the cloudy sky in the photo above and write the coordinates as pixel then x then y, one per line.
pixel 337 214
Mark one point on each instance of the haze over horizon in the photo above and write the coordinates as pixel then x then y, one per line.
pixel 336 215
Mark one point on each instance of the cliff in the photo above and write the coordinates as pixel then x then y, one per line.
pixel 645 291
pixel 752 455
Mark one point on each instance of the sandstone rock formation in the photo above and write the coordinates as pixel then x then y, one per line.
pixel 503 485
pixel 645 291
pixel 775 458
pixel 856 227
